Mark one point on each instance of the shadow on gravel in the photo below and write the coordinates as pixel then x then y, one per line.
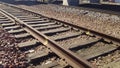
pixel 28 3
pixel 58 2
pixel 103 7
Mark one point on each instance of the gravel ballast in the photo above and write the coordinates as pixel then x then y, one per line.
pixel 10 54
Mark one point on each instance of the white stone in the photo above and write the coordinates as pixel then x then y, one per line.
pixel 31 51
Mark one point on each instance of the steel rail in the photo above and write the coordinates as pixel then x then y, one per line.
pixel 65 54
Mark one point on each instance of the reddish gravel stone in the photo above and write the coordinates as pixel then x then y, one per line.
pixel 10 55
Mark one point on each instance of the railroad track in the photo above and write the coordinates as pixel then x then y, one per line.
pixel 36 52
pixel 62 44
